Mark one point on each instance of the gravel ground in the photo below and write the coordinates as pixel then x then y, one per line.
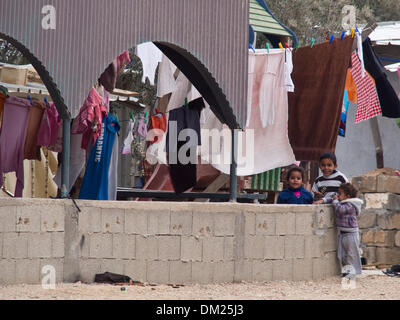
pixel 371 285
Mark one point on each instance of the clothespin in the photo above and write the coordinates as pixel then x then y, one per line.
pixel 267 45
pixel 331 39
pixel 281 46
pixel 297 47
pixel 251 47
pixel 186 103
pixel 312 42
pixel 30 99
pixel 287 46
pixel 358 31
pixel 131 116
pixel 352 32
pixel 46 102
pixel 343 33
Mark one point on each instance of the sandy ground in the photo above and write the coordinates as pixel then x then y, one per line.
pixel 371 285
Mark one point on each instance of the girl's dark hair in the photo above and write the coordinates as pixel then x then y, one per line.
pixel 296 168
pixel 328 155
pixel 349 190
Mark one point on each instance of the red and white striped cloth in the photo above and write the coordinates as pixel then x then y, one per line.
pixel 368 105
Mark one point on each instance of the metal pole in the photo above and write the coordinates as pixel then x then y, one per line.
pixel 65 158
pixel 233 181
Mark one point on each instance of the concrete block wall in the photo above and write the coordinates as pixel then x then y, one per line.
pixel 379 222
pixel 160 242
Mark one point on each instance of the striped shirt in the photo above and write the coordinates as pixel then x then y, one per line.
pixel 329 185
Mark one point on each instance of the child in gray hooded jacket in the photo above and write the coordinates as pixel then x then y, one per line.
pixel 347 209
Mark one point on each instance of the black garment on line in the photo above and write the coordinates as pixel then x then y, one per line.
pixel 390 103
pixel 183 176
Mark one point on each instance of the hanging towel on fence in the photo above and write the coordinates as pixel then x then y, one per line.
pixel 390 103
pixel 315 107
pixel 367 99
pixel 12 140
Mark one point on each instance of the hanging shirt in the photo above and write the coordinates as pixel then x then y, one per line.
pixel 166 80
pixel 288 71
pixel 12 140
pixel 2 99
pixel 367 99
pixel 158 122
pixel 150 56
pixel 113 172
pixel 96 180
pixel 31 149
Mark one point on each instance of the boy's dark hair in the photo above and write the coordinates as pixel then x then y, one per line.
pixel 349 190
pixel 328 155
pixel 296 168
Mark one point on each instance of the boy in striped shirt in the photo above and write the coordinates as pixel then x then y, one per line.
pixel 327 185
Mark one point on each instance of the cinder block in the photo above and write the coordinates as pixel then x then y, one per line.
pixel 8 271
pixel 181 222
pixel 169 248
pixel 389 184
pixel 28 218
pixel 265 224
pixel 365 183
pixel 203 224
pixel 58 245
pixel 223 272
pixel 39 245
pixel 202 272
pixel 27 271
pixel 112 265
pixel 319 268
pixel 285 224
pixel 159 222
pixel 397 239
pixel 89 268
pixel 304 223
pixel 15 245
pixel 313 247
pixel 1 245
pixel 294 247
pixel 250 223
pixel 146 248
pixel 376 200
pixel 158 272
pixel 57 264
pixel 393 202
pixel 191 249
pixel 274 248
pixel 302 269
pixel 213 249
pixel 224 224
pixel 333 267
pixel 90 220
pixel 113 220
pixel 180 272
pixel 388 255
pixel 136 222
pixel 135 269
pixel 330 240
pixel 282 270
pixel 262 271
pixel 101 245
pixel 8 219
pixel 389 221
pixel 254 247
pixel 53 219
pixel 243 271
pixel 228 249
pixel 379 238
pixel 367 220
pixel 124 246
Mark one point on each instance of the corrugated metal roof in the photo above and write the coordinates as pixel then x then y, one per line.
pixel 90 34
pixel 262 21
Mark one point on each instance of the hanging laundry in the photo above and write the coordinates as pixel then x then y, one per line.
pixel 150 56
pixel 183 175
pixel 12 140
pixel 108 78
pixel 96 180
pixel 166 80
pixel 183 87
pixel 90 118
pixel 351 88
pixel 31 149
pixel 390 103
pixel 126 149
pixel 123 60
pixel 77 160
pixel 288 71
pixel 271 147
pixel 141 128
pixel 343 118
pixel 49 126
pixel 315 107
pixel 2 99
pixel 158 122
pixel 367 99
pixel 113 172
pixel 360 53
